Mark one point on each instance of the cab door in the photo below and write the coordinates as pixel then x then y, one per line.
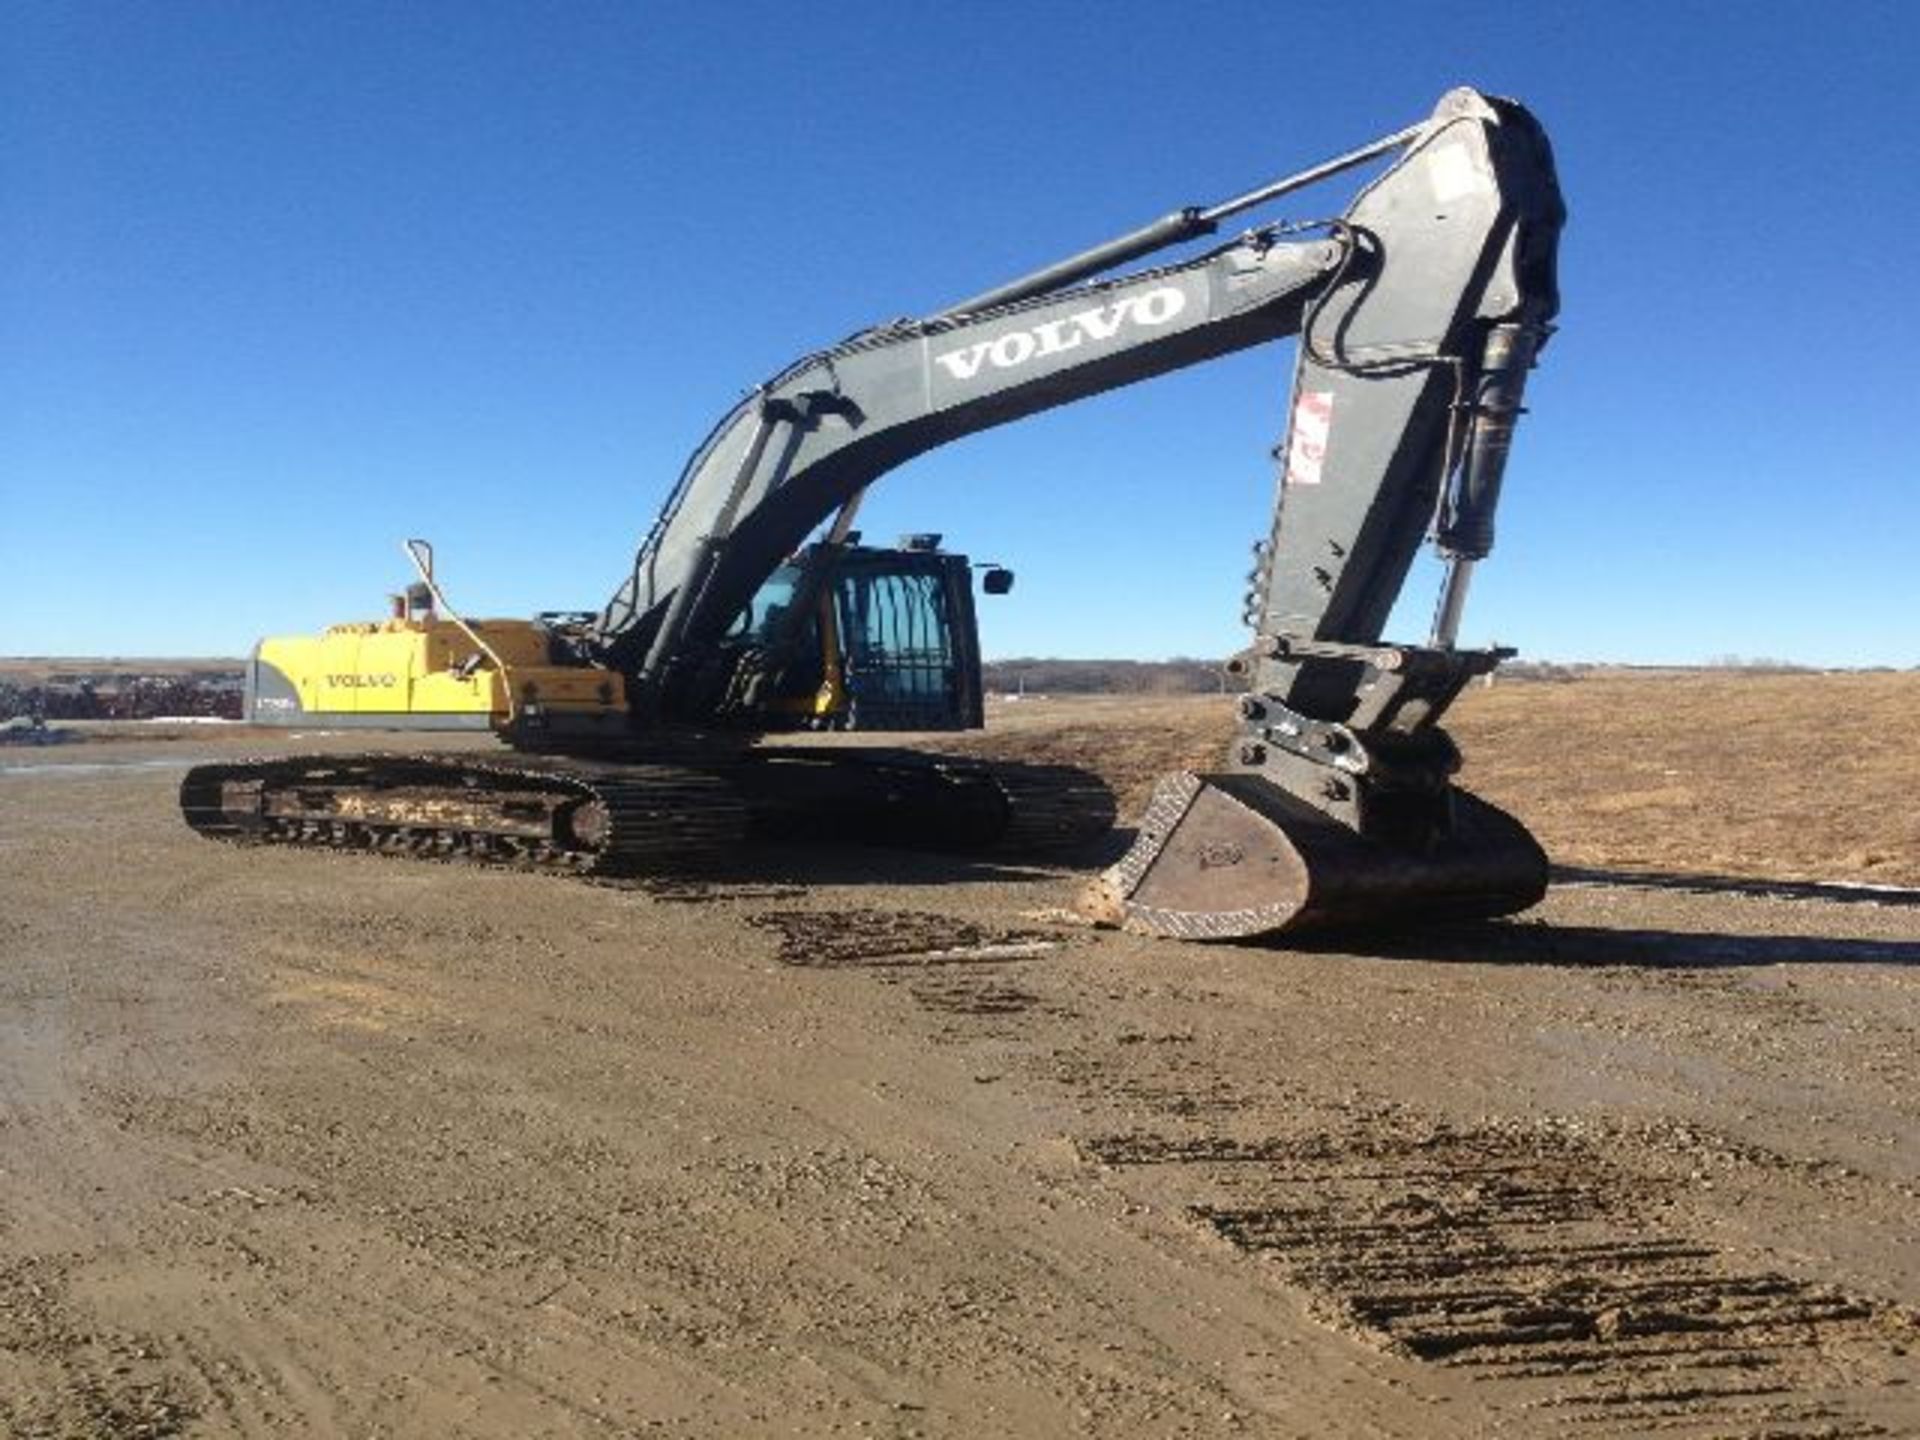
pixel 908 644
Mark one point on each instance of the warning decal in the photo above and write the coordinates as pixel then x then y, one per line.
pixel 1307 450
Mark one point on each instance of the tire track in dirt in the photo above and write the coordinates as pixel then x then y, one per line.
pixel 1522 1252
pixel 338 1264
pixel 830 939
pixel 169 1263
pixel 968 974
pixel 1531 1254
pixel 62 1376
pixel 78 1245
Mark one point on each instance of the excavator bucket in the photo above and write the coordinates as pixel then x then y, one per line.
pixel 1232 857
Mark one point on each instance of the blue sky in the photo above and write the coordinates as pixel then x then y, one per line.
pixel 282 284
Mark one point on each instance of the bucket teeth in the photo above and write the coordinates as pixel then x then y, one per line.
pixel 1229 857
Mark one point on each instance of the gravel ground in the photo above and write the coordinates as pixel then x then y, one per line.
pixel 871 1144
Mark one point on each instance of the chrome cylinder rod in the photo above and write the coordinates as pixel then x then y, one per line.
pixel 1452 604
pixel 1300 180
pixel 1181 225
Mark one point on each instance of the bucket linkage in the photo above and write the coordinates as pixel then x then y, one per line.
pixel 1328 824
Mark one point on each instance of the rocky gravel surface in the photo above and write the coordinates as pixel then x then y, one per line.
pixel 861 1143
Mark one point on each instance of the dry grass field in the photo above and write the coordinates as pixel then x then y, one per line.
pixel 1771 776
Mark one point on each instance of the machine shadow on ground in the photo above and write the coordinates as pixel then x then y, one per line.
pixel 799 864
pixel 1544 942
pixel 798 861
pixel 1692 883
pixel 789 867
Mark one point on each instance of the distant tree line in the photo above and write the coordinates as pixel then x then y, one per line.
pixel 1179 676
pixel 136 697
pixel 1757 663
pixel 1186 676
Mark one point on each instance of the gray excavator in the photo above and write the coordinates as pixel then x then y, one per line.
pixel 751 607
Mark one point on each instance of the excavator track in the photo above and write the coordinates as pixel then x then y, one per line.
pixel 864 795
pixel 921 799
pixel 1051 807
pixel 540 815
pixel 605 818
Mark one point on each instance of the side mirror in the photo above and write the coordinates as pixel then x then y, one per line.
pixel 998 580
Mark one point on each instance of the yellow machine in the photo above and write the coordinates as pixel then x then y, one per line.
pixel 843 636
pixel 422 669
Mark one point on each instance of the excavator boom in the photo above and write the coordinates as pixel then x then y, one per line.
pixel 1395 301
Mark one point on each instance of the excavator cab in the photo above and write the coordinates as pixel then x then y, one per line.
pixel 847 636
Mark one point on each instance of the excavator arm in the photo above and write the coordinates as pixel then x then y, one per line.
pixel 825 429
pixel 1396 301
